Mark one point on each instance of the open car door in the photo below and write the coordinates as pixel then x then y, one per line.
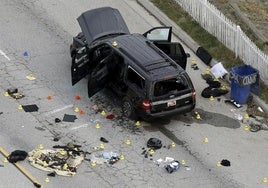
pixel 80 65
pixel 99 76
pixel 161 37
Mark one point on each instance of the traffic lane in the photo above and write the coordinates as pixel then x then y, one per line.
pixel 58 91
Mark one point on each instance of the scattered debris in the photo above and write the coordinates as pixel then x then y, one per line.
pixel 110 116
pixel 30 108
pixel 104 140
pixel 154 143
pixel 17 155
pixel 77 97
pixel 1 165
pixel 225 162
pixel 218 70
pixel 62 161
pixel 25 54
pixel 194 66
pixel 111 157
pixel 52 174
pixel 69 118
pixel 13 92
pixel 172 166
pixel 57 120
pixel 1 113
pixel 233 103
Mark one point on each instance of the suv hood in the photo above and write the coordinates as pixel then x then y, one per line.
pixel 103 21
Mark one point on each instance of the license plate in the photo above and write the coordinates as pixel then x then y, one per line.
pixel 171 103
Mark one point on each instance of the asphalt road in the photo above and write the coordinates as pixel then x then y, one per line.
pixel 44 29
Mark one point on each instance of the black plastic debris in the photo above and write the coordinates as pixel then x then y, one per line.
pixel 172 166
pixel 57 120
pixel 154 143
pixel 1 165
pixel 69 118
pixel 104 140
pixel 17 155
pixel 56 139
pixel 215 92
pixel 12 90
pixel 1 113
pixel 30 108
pixel 225 162
pixel 52 174
pixel 37 185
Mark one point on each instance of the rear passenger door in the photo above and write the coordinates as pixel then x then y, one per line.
pixel 161 37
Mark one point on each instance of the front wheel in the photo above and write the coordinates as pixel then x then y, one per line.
pixel 128 109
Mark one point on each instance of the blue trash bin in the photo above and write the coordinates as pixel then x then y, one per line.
pixel 242 77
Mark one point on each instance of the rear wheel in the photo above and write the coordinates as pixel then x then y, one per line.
pixel 128 109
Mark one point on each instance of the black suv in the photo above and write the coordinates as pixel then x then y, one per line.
pixel 147 71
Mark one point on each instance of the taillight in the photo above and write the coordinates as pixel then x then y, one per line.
pixel 146 105
pixel 193 93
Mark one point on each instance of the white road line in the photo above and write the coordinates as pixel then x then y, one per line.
pixel 3 54
pixel 58 110
pixel 80 126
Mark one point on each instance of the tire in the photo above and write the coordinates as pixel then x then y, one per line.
pixel 128 108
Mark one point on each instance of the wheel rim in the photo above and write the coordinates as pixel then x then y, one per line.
pixel 127 109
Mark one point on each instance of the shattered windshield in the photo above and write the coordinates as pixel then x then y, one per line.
pixel 170 86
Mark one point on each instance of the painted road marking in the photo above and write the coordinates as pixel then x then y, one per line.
pixel 3 54
pixel 80 126
pixel 58 110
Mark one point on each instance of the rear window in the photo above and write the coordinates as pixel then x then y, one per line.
pixel 169 86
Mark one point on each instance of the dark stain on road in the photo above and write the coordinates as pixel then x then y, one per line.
pixel 211 118
pixel 216 119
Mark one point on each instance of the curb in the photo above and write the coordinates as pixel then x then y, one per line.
pixel 187 40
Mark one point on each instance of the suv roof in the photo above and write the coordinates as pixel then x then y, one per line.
pixel 144 55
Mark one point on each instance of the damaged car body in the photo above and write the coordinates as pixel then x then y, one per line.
pixel 146 70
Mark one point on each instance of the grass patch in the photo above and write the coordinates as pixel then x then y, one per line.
pixel 202 37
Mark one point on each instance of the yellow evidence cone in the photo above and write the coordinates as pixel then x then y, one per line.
pixel 173 144
pixel 40 146
pixel 211 98
pixel 47 180
pixel 218 164
pixel 151 151
pixel 246 117
pixel 93 163
pixel 103 113
pixel 138 123
pixel 20 107
pixel 128 142
pixel 76 110
pixel 206 140
pixel 183 162
pixel 265 180
pixel 6 94
pixel 246 127
pixel 5 160
pixel 97 126
pixel 65 166
pixel 207 71
pixel 122 157
pixel 193 60
pixel 102 146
